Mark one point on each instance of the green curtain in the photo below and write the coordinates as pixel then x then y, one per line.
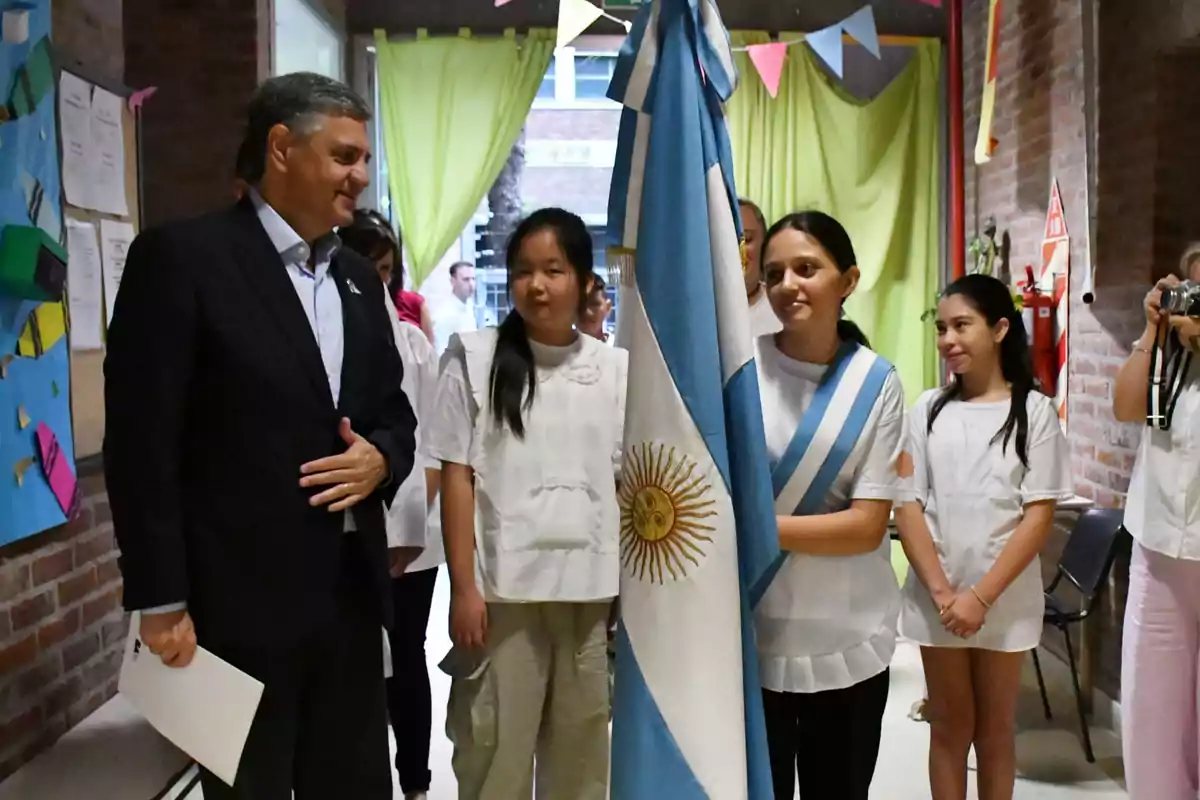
pixel 874 165
pixel 450 110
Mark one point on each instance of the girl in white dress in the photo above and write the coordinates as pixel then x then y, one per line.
pixel 527 425
pixel 834 417
pixel 990 464
pixel 410 703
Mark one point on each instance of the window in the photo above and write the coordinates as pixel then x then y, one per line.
pixel 593 74
pixel 546 90
pixel 305 41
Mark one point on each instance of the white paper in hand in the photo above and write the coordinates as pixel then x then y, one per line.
pixel 205 709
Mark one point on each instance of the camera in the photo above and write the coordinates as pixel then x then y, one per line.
pixel 1181 300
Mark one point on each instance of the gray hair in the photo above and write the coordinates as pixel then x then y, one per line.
pixel 296 101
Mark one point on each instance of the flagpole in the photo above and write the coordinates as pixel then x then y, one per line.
pixel 958 241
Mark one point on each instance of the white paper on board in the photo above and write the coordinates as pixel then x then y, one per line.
pixel 75 125
pixel 205 708
pixel 115 238
pixel 108 147
pixel 85 293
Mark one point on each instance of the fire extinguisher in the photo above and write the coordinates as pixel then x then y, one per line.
pixel 1038 315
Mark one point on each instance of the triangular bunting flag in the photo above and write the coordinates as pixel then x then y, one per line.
pixel 502 3
pixel 827 43
pixel 575 17
pixel 861 27
pixel 768 60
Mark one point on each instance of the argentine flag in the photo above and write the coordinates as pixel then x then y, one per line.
pixel 697 512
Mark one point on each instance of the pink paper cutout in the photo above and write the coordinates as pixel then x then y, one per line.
pixel 502 3
pixel 140 96
pixel 58 473
pixel 768 60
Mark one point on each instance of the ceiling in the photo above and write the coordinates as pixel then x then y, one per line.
pixel 898 17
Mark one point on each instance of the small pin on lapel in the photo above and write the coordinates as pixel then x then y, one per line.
pixel 353 288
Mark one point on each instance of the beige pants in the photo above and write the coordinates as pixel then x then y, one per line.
pixel 544 696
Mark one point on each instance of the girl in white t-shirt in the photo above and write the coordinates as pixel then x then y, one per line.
pixel 990 464
pixel 833 412
pixel 527 425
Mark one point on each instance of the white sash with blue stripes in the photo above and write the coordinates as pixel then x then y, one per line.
pixel 825 438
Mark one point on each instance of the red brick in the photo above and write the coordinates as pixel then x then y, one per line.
pixel 77 587
pixel 102 513
pixel 94 548
pixel 52 566
pixel 108 571
pixel 32 610
pixel 18 654
pixel 63 696
pixel 103 669
pixel 101 606
pixel 79 652
pixel 14 580
pixel 115 632
pixel 58 630
pixel 19 728
pixel 39 676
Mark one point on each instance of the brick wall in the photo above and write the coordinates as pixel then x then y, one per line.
pixel 1146 206
pixel 61 627
pixel 192 128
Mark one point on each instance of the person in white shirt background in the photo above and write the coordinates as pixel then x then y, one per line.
pixel 754 227
pixel 990 463
pixel 528 424
pixel 596 313
pixel 456 314
pixel 410 704
pixel 826 626
pixel 1161 643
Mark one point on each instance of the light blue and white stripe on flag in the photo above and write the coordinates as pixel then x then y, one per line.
pixel 697 518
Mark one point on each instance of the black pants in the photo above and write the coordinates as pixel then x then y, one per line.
pixel 831 739
pixel 321 727
pixel 410 704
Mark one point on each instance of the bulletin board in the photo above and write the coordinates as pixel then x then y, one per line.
pixel 51 395
pixel 87 366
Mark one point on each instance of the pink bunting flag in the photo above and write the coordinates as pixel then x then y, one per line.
pixel 139 97
pixel 768 60
pixel 502 3
pixel 57 471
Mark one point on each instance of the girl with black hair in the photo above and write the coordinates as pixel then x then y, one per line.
pixel 833 411
pixel 528 428
pixel 990 463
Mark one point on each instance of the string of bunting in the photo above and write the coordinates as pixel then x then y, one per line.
pixel 576 16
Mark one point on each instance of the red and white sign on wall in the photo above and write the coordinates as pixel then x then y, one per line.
pixel 1056 278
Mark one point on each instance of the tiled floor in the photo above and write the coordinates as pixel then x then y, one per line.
pixel 114 757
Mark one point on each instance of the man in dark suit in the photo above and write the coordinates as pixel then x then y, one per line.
pixel 256 430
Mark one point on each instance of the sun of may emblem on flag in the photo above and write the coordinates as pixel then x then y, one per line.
pixel 663 507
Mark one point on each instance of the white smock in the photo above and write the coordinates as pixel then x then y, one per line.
pixel 974 492
pixel 547 520
pixel 829 622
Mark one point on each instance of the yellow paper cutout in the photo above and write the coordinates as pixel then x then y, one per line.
pixel 5 360
pixel 23 418
pixel 21 467
pixel 47 324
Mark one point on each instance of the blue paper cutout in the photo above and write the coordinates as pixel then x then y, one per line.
pixel 861 27
pixel 827 43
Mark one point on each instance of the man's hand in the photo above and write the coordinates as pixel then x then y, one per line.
pixel 353 475
pixel 169 636
pixel 399 559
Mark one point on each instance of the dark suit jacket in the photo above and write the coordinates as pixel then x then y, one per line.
pixel 216 395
